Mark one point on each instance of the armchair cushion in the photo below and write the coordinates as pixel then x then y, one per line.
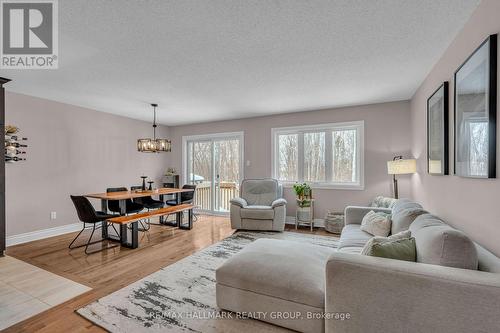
pixel 256 212
pixel 278 202
pixel 239 202
pixel 260 192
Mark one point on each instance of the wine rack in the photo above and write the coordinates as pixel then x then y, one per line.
pixel 15 145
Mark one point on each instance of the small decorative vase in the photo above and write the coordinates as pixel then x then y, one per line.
pixel 144 183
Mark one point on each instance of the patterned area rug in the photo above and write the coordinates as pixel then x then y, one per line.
pixel 181 297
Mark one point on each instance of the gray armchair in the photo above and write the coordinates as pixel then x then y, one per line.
pixel 260 207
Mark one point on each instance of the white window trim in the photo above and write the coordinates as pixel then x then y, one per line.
pixel 359 125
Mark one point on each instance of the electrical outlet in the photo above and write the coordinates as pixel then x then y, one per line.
pixel 53 215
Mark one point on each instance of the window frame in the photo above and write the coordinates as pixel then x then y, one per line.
pixel 359 126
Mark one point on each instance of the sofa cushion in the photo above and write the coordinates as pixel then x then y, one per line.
pixel 376 223
pixel 487 261
pixel 353 236
pixel 379 240
pixel 402 204
pixel 351 249
pixel 445 246
pixel 257 212
pixel 399 249
pixel 260 191
pixel 383 202
pixel 283 269
pixel 404 212
pixel 425 220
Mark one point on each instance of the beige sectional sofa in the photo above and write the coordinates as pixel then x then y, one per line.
pixel 357 293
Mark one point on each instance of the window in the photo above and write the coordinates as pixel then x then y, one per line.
pixel 329 155
pixel 288 157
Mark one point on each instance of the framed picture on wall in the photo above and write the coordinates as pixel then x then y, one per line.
pixel 437 131
pixel 476 111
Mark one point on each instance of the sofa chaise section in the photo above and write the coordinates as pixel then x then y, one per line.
pixel 278 277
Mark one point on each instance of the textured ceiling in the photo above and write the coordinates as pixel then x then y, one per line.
pixel 210 60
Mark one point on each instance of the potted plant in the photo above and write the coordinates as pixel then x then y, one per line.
pixel 170 172
pixel 304 194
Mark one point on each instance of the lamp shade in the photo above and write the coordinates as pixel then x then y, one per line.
pixel 154 145
pixel 401 167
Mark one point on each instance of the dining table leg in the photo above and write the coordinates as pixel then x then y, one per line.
pixel 162 199
pixel 180 220
pixel 181 214
pixel 104 228
pixel 124 230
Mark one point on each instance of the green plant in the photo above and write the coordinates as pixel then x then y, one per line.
pixel 302 190
pixel 304 193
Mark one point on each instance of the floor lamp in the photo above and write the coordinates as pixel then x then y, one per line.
pixel 400 166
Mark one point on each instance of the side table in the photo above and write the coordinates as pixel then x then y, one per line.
pixel 305 215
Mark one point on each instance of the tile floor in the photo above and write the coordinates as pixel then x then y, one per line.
pixel 26 290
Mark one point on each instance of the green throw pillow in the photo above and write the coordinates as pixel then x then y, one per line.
pixel 400 249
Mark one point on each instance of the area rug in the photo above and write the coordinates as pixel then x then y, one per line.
pixel 181 296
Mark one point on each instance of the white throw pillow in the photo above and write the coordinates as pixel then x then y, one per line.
pixel 376 223
pixel 379 240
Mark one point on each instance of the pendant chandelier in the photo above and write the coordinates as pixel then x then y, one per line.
pixel 154 145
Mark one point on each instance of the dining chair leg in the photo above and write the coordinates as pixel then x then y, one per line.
pixel 116 231
pixel 76 238
pixel 144 226
pixel 90 239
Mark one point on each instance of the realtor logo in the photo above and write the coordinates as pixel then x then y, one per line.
pixel 29 34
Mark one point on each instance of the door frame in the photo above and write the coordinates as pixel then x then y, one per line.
pixel 213 137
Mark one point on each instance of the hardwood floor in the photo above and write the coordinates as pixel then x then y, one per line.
pixel 113 269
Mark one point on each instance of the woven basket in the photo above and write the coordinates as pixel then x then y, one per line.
pixel 334 222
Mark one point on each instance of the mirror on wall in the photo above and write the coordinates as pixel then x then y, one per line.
pixel 437 131
pixel 475 113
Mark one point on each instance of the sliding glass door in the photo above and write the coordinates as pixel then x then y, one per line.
pixel 215 164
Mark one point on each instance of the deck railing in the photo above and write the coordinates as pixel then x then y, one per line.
pixel 225 191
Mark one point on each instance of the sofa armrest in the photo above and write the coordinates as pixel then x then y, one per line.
pixel 278 202
pixel 386 295
pixel 355 214
pixel 239 202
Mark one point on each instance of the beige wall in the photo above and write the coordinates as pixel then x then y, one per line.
pixel 72 150
pixel 387 133
pixel 469 204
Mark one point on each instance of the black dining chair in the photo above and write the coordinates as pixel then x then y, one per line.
pixel 186 197
pixel 148 203
pixel 88 215
pixel 130 206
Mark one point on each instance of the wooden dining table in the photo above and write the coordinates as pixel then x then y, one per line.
pixel 122 197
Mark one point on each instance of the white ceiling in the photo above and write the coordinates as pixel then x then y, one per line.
pixel 210 60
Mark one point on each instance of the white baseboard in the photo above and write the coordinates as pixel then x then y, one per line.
pixel 319 223
pixel 41 234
